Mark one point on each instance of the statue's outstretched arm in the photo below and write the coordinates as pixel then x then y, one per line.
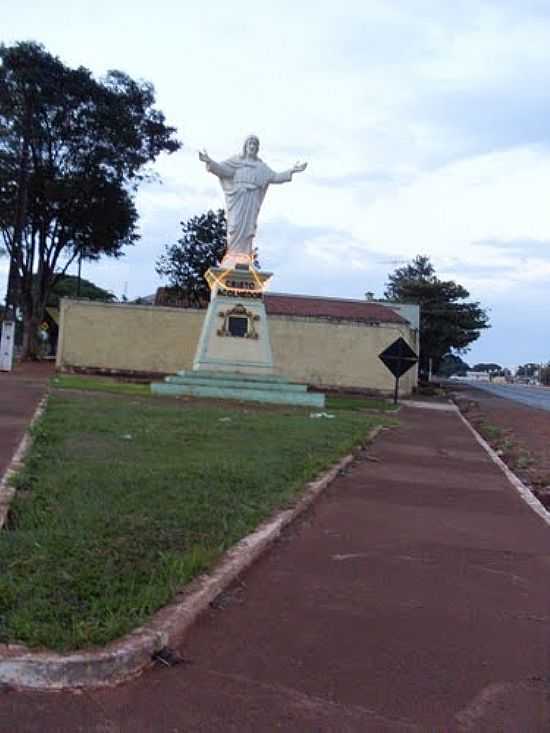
pixel 286 176
pixel 204 157
pixel 218 169
pixel 299 167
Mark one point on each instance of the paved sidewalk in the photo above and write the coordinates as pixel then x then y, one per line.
pixel 415 596
pixel 20 392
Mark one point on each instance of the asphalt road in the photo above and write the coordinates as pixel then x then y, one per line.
pixel 526 394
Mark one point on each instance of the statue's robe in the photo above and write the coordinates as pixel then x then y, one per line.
pixel 244 182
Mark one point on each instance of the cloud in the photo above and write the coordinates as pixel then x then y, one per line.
pixel 523 247
pixel 490 120
pixel 424 124
pixel 361 178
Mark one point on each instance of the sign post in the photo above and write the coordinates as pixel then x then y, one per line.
pixel 398 358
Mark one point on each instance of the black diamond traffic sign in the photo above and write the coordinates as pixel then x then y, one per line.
pixel 398 357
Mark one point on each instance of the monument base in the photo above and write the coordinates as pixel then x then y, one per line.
pixel 235 337
pixel 233 358
pixel 237 386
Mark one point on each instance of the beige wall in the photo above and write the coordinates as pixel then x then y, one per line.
pixel 339 354
pixel 139 338
pixel 158 339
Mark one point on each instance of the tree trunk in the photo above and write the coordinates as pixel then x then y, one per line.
pixel 31 342
pixel 20 216
pixel 423 366
pixel 33 315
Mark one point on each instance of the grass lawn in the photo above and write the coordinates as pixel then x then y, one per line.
pixel 357 403
pixel 111 384
pixel 100 384
pixel 125 498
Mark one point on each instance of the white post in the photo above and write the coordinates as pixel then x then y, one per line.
pixel 7 342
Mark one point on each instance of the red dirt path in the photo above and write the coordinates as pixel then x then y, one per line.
pixel 20 392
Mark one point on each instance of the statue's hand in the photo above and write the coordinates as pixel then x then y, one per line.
pixel 299 167
pixel 203 155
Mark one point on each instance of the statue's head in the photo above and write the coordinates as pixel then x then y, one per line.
pixel 251 147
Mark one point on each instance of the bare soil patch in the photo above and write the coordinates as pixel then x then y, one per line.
pixel 519 434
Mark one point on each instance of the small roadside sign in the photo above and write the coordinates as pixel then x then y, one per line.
pixel 398 358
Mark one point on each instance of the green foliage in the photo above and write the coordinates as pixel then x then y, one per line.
pixel 487 367
pixel 67 286
pixel 495 370
pixel 529 370
pixel 491 431
pixel 446 321
pixel 124 499
pixel 72 151
pixel 452 364
pixel 201 246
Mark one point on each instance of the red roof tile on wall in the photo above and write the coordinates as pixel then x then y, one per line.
pixel 347 310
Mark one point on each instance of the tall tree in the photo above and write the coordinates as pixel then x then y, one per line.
pixel 487 367
pixel 202 245
pixel 529 370
pixel 72 152
pixel 452 364
pixel 447 323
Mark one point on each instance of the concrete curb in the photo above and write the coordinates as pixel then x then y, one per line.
pixel 7 492
pixel 523 490
pixel 441 406
pixel 121 660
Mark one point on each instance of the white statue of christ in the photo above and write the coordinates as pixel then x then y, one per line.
pixel 244 179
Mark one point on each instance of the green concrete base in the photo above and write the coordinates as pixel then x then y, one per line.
pixel 235 386
pixel 234 375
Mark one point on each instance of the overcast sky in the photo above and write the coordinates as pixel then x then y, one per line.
pixel 425 124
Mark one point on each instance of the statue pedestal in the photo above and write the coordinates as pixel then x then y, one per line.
pixel 233 358
pixel 235 332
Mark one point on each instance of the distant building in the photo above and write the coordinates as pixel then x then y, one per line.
pixel 478 376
